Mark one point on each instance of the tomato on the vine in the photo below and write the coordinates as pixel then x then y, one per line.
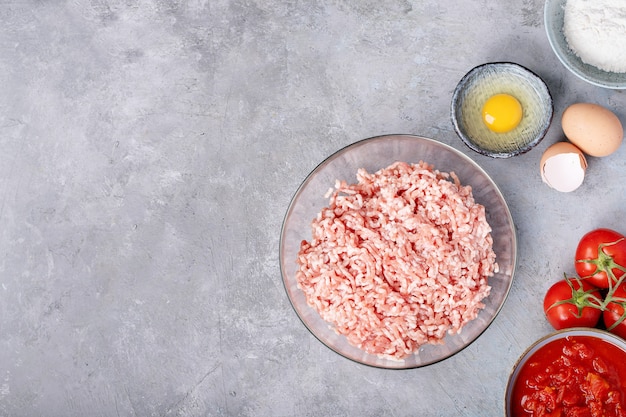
pixel 599 251
pixel 615 314
pixel 572 303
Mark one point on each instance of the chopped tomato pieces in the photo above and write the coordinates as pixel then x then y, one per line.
pixel 577 376
pixel 596 387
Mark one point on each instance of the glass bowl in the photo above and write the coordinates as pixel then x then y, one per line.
pixel 599 336
pixel 374 154
pixel 553 21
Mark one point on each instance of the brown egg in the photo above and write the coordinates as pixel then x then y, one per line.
pixel 597 131
pixel 563 167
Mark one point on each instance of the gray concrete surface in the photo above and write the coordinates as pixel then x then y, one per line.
pixel 149 150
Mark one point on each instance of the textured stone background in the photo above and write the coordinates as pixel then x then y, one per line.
pixel 149 151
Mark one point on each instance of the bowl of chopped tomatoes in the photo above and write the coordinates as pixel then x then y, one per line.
pixel 572 372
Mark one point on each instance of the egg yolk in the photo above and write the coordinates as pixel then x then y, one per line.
pixel 502 113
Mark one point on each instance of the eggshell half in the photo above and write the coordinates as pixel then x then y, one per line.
pixel 563 167
pixel 596 131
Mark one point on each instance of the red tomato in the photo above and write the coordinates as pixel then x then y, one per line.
pixel 572 303
pixel 599 251
pixel 614 312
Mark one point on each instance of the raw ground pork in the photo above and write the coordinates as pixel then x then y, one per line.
pixel 398 259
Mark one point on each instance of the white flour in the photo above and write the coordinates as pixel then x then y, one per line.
pixel 596 31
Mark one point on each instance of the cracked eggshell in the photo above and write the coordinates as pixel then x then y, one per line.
pixel 563 167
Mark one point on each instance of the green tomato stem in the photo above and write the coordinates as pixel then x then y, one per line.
pixel 605 263
pixel 580 298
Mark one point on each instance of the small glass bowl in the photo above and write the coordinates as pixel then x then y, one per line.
pixel 489 79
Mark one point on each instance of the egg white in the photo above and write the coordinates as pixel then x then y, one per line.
pixel 488 84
